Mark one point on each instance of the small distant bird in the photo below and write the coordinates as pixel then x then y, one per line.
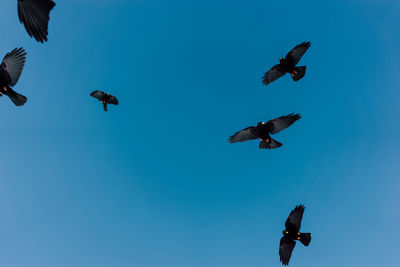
pixel 105 98
pixel 35 15
pixel 263 130
pixel 10 71
pixel 292 233
pixel 288 65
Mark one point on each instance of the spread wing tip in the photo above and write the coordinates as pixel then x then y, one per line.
pixel 300 207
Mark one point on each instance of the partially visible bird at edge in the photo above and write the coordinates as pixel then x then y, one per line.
pixel 35 15
pixel 10 71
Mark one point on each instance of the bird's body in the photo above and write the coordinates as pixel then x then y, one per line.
pixel 263 131
pixel 10 71
pixel 35 15
pixel 291 234
pixel 288 65
pixel 105 98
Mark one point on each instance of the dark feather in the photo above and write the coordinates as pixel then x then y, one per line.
pixel 295 218
pixel 17 99
pixel 274 73
pixel 294 56
pixel 98 94
pixel 271 144
pixel 298 73
pixel 35 15
pixel 281 123
pixel 112 100
pixel 286 247
pixel 244 135
pixel 13 64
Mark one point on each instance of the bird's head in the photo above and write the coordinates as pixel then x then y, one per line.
pixel 285 232
pixel 260 123
pixel 281 59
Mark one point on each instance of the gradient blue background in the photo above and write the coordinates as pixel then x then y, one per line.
pixel 154 182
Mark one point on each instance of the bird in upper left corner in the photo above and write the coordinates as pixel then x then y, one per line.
pixel 10 71
pixel 104 98
pixel 35 15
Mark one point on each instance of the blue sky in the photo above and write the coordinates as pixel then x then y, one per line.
pixel 154 182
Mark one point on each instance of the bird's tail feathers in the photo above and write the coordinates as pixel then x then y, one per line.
pixel 305 238
pixel 105 107
pixel 269 144
pixel 298 73
pixel 17 99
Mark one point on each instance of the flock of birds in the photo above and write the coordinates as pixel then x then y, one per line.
pixel 35 16
pixel 263 130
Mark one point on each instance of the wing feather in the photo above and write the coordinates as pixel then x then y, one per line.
pixel 113 100
pixel 286 247
pixel 295 217
pixel 244 135
pixel 13 64
pixel 35 15
pixel 281 123
pixel 97 94
pixel 273 74
pixel 294 56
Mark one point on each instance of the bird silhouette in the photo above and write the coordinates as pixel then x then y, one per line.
pixel 10 71
pixel 263 130
pixel 105 98
pixel 291 234
pixel 288 65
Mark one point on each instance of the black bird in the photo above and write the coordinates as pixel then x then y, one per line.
pixel 263 130
pixel 35 15
pixel 292 233
pixel 105 98
pixel 10 71
pixel 288 65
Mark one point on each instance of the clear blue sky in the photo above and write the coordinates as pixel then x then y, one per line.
pixel 154 182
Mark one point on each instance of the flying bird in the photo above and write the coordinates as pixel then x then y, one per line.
pixel 292 233
pixel 288 65
pixel 105 98
pixel 263 130
pixel 10 71
pixel 35 15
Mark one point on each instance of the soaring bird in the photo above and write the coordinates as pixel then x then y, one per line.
pixel 105 98
pixel 263 130
pixel 10 71
pixel 288 65
pixel 35 15
pixel 292 233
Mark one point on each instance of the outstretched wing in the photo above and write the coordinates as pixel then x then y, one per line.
pixel 286 247
pixel 112 100
pixel 281 123
pixel 97 94
pixel 295 217
pixel 294 56
pixel 273 74
pixel 244 135
pixel 13 64
pixel 35 15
